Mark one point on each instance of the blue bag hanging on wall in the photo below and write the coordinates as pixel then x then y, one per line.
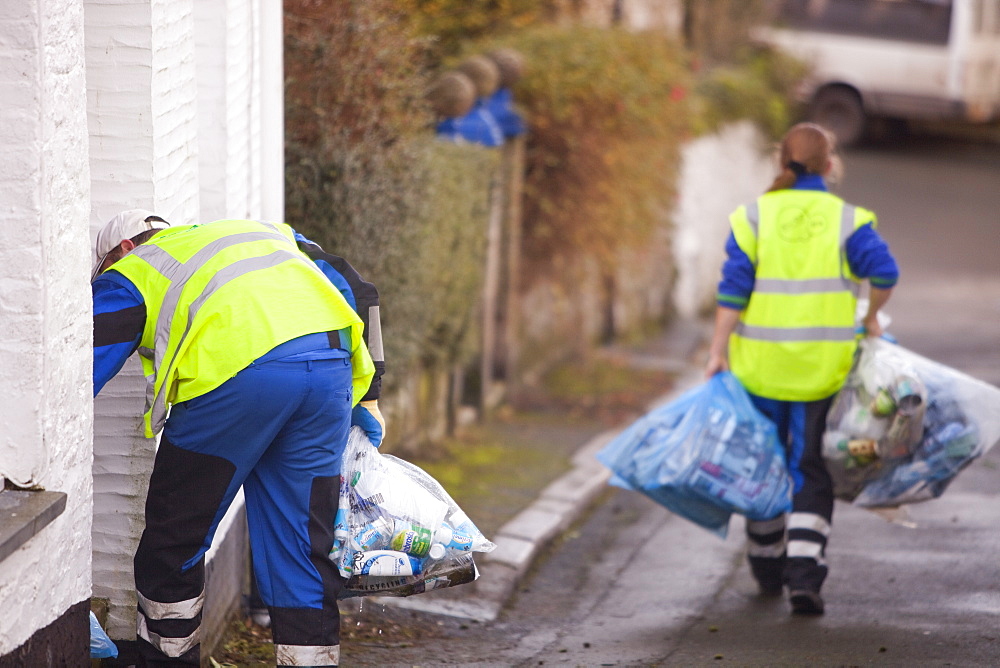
pixel 101 646
pixel 706 455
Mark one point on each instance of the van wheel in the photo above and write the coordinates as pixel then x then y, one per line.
pixel 840 111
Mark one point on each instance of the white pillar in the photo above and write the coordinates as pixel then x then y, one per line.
pixel 229 107
pixel 142 111
pixel 45 418
pixel 272 111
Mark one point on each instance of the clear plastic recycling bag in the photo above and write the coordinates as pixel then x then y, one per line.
pixel 903 426
pixel 706 455
pixel 397 531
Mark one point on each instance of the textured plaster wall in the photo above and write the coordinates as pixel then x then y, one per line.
pixel 45 424
pixel 101 113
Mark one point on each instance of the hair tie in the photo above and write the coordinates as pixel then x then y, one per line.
pixel 797 168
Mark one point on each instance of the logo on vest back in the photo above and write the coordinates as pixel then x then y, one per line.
pixel 798 225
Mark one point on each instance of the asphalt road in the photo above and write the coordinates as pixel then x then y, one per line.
pixel 633 585
pixel 938 204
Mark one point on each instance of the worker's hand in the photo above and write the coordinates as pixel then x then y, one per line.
pixel 872 326
pixel 716 363
pixel 367 416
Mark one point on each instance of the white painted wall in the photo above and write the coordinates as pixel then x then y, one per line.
pixel 718 173
pixel 45 367
pixel 653 14
pixel 272 111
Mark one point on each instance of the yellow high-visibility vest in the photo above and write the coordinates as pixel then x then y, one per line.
pixel 220 295
pixel 795 340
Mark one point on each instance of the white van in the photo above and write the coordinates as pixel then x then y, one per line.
pixel 895 59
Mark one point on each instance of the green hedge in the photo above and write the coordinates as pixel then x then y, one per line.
pixel 366 179
pixel 759 87
pixel 412 220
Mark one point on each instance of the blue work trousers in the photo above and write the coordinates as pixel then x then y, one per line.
pixel 792 551
pixel 278 429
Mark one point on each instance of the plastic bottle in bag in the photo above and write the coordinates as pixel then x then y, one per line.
pixel 454 539
pixel 860 451
pixel 954 442
pixel 411 538
pixel 941 455
pixel 375 535
pixel 386 563
pixel 340 534
pixel 907 426
pixel 883 404
pixel 744 456
pixel 859 421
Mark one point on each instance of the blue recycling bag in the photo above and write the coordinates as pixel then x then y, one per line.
pixel 704 456
pixel 101 646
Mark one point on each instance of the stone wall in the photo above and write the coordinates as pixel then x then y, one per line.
pixel 673 276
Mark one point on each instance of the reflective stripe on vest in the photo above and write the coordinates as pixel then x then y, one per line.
pixel 165 344
pixel 792 334
pixel 147 356
pixel 785 286
pixel 795 339
pixel 165 321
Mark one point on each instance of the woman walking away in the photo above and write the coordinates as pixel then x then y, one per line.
pixel 785 327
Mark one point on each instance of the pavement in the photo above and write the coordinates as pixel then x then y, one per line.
pixel 521 540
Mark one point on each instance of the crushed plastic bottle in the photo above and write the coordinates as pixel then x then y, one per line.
pixel 340 533
pixel 374 535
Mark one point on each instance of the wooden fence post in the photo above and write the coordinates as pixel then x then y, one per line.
pixel 491 287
